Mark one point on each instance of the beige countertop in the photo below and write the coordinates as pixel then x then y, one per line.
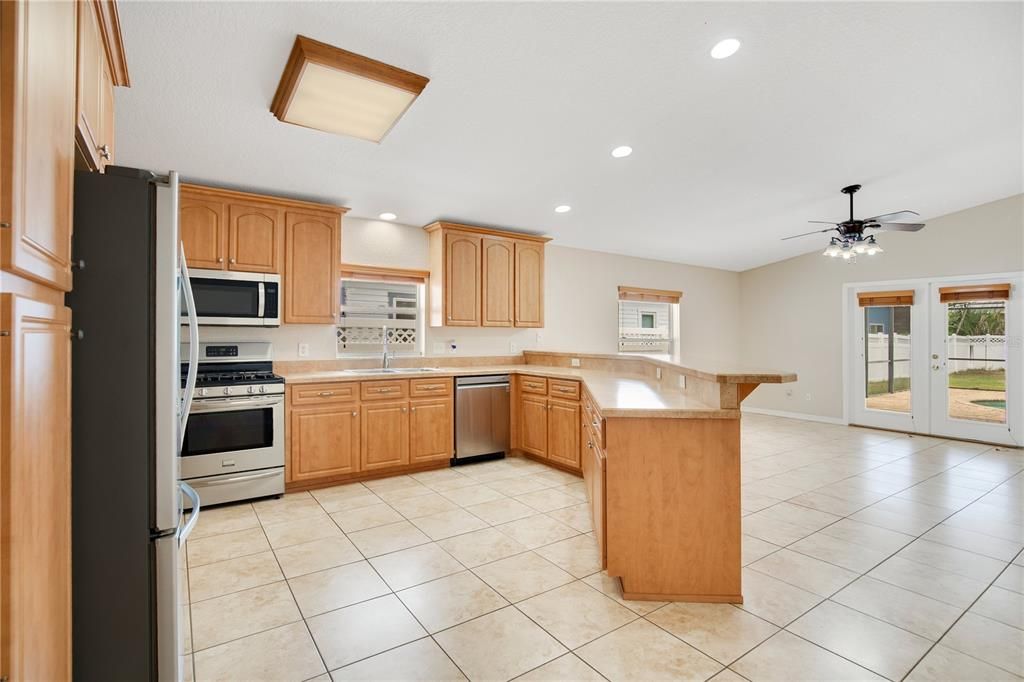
pixel 616 394
pixel 709 371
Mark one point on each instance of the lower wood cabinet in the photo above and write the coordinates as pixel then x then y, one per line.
pixel 385 436
pixel 533 425
pixel 564 432
pixel 431 436
pixel 324 441
pixel 597 501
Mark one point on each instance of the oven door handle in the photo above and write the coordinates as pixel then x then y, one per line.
pixel 233 404
pixel 236 479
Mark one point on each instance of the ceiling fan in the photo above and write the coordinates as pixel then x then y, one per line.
pixel 851 240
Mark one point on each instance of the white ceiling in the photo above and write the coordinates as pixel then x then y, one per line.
pixel 920 102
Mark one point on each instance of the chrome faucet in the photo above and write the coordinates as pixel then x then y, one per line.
pixel 386 360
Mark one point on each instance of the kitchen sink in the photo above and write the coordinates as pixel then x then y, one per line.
pixel 393 370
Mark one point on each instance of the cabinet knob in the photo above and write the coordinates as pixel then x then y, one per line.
pixel 232 261
pixel 414 409
pixel 404 409
pixel 355 414
pixel 220 260
pixel 104 151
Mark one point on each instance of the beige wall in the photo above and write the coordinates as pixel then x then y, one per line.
pixel 791 311
pixel 580 294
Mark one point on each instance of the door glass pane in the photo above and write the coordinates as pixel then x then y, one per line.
pixel 887 357
pixel 976 360
pixel 209 432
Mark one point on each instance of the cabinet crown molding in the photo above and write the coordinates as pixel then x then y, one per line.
pixel 222 193
pixel 488 231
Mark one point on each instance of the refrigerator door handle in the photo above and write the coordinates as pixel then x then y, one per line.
pixel 193 346
pixel 186 530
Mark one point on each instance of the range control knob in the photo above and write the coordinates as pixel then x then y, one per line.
pixel 263 389
pixel 251 389
pixel 227 391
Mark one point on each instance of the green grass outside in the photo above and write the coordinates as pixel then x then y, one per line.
pixel 977 379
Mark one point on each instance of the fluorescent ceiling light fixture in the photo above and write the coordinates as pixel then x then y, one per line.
pixel 725 48
pixel 563 208
pixel 336 91
pixel 622 152
pixel 387 216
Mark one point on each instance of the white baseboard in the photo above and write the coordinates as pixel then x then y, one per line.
pixel 794 415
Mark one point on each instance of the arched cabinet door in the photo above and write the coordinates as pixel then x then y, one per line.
pixel 498 260
pixel 529 284
pixel 254 238
pixel 312 255
pixel 203 230
pixel 462 279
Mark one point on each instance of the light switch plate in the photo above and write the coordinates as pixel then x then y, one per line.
pixel 657 372
pixel 303 350
pixel 575 362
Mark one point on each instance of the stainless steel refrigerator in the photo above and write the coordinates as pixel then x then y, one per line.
pixel 128 416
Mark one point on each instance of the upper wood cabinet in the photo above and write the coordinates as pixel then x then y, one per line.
pixel 37 146
pixel 312 248
pixel 255 237
pixel 529 284
pixel 481 277
pixel 100 67
pixel 202 227
pixel 498 267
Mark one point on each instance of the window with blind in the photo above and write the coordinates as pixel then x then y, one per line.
pixel 647 318
pixel 372 308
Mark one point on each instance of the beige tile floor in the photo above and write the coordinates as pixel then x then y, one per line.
pixel 867 555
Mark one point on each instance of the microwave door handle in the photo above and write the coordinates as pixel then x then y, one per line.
pixel 261 303
pixel 193 346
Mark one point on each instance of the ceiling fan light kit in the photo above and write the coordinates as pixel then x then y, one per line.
pixel 852 241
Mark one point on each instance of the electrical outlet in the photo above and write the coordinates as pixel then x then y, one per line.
pixel 789 393
pixel 303 350
pixel 657 373
pixel 575 362
pixel 682 381
pixel 808 397
pixel 513 347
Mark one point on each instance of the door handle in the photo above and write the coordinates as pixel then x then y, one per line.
pixel 186 530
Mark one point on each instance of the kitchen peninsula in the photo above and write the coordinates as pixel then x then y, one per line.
pixel 657 443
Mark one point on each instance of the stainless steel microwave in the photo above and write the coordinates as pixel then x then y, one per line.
pixel 249 299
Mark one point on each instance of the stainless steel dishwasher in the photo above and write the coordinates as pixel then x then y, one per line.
pixel 481 417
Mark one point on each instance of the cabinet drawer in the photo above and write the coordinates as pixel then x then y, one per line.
pixel 538 385
pixel 324 394
pixel 381 390
pixel 558 388
pixel 429 388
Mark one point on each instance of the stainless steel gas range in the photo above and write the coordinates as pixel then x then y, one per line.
pixel 234 440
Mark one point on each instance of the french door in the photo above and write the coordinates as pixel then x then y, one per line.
pixel 941 357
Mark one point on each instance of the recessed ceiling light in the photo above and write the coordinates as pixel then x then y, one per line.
pixel 563 209
pixel 725 48
pixel 330 89
pixel 387 216
pixel 622 152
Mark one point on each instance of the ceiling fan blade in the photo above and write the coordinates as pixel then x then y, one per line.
pixel 827 229
pixel 887 217
pixel 897 227
pixel 823 222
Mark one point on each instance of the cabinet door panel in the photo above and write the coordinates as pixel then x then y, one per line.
pixel 385 433
pixel 597 505
pixel 312 254
pixel 533 425
pixel 35 395
pixel 529 284
pixel 431 430
pixel 324 442
pixel 203 231
pixel 254 238
pixel 564 432
pixel 462 280
pixel 37 108
pixel 497 277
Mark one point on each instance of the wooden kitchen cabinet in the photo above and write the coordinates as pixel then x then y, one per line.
pixel 94 123
pixel 325 441
pixel 597 503
pixel 564 432
pixel 481 277
pixel 498 279
pixel 35 526
pixel 385 435
pixel 37 107
pixel 462 274
pixel 431 432
pixel 312 248
pixel 202 227
pixel 533 425
pixel 255 237
pixel 529 284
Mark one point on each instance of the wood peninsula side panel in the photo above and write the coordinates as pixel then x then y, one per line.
pixel 673 508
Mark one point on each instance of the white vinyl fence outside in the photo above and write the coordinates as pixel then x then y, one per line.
pixel 975 352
